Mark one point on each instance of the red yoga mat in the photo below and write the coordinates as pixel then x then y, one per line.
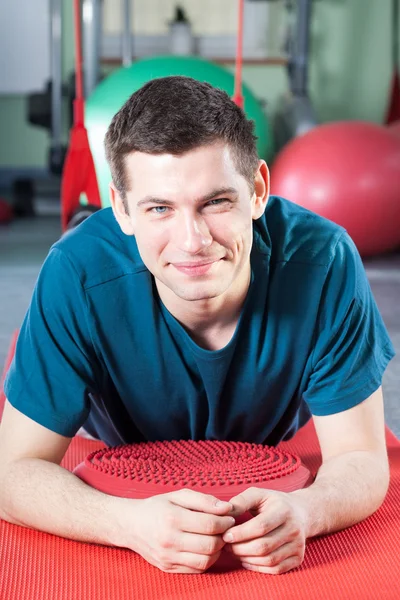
pixel 359 563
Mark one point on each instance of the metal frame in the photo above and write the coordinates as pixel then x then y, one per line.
pixel 56 73
pixel 92 32
pixel 126 33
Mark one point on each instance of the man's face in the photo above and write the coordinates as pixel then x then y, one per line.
pixel 192 217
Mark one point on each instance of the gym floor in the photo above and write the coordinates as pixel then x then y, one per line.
pixel 25 243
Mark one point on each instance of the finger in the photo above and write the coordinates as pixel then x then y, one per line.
pixel 261 546
pixel 287 565
pixel 177 568
pixel 181 569
pixel 200 544
pixel 193 500
pixel 199 562
pixel 247 500
pixel 255 528
pixel 276 556
pixel 198 522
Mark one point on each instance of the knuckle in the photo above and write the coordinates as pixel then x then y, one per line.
pixel 286 566
pixel 210 547
pixel 262 548
pixel 280 569
pixel 271 560
pixel 164 558
pixel 299 556
pixel 296 532
pixel 262 527
pixel 165 564
pixel 210 526
pixel 202 563
pixel 218 544
pixel 285 512
pixel 165 540
pixel 167 568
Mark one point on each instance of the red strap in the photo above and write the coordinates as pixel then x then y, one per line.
pixel 237 94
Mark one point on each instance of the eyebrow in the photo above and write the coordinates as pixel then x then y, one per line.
pixel 210 196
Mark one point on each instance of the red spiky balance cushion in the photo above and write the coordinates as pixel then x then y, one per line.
pixel 223 469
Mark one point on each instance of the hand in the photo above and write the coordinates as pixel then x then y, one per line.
pixel 274 540
pixel 180 532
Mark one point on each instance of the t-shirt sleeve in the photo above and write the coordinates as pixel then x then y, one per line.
pixel 351 346
pixel 54 368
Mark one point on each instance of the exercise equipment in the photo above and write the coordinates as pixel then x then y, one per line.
pixel 39 107
pixel 295 114
pixel 113 91
pixel 6 213
pixel 23 193
pixel 394 128
pixel 80 214
pixel 79 176
pixel 393 110
pixel 212 467
pixel 223 469
pixel 44 108
pixel 349 173
pixel 237 92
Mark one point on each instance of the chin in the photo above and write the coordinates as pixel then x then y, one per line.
pixel 197 294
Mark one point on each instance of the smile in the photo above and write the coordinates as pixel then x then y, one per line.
pixel 194 269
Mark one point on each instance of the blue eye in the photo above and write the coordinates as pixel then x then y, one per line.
pixel 218 201
pixel 159 210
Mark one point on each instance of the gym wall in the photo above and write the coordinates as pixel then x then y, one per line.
pixel 349 75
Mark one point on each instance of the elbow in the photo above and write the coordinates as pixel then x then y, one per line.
pixel 385 486
pixel 6 517
pixel 381 483
pixel 4 498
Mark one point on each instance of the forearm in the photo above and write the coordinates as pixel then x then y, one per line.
pixel 348 488
pixel 42 495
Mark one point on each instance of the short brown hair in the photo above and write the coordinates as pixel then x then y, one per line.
pixel 174 115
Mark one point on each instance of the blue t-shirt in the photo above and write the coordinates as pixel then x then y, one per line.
pixel 98 348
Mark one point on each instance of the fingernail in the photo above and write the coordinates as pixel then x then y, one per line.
pixel 221 504
pixel 228 537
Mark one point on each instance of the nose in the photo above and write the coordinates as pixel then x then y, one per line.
pixel 192 234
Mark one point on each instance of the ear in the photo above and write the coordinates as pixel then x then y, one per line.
pixel 261 190
pixel 119 210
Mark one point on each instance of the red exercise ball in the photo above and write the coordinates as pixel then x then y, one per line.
pixel 394 128
pixel 348 172
pixel 6 213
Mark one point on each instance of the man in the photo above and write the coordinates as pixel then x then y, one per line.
pixel 196 308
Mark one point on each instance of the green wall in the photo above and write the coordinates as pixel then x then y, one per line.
pixel 350 75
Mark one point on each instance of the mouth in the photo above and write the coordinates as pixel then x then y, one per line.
pixel 195 269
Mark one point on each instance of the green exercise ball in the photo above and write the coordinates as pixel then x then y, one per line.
pixel 112 92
